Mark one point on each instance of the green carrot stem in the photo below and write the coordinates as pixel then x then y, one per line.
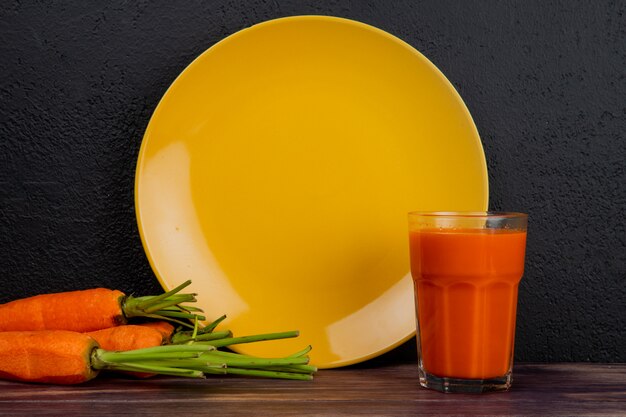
pixel 186 308
pixel 243 362
pixel 154 368
pixel 102 359
pixel 214 336
pixel 234 355
pixel 183 337
pixel 249 339
pixel 214 371
pixel 165 304
pixel 173 320
pixel 268 374
pixel 303 352
pixel 299 354
pixel 181 298
pixel 149 300
pixel 167 348
pixel 129 356
pixel 195 328
pixel 298 369
pixel 284 372
pixel 178 314
pixel 213 325
pixel 265 364
pixel 195 364
pixel 222 368
pixel 178 298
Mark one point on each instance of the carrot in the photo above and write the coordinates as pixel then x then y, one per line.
pixel 127 337
pixel 37 356
pixel 94 309
pixel 64 357
pixel 164 328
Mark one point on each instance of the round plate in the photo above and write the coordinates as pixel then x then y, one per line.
pixel 277 172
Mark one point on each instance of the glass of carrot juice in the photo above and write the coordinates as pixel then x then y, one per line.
pixel 466 267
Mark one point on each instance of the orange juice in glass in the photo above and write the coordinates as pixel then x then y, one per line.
pixel 466 268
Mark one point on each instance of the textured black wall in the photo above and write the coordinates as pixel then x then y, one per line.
pixel 545 82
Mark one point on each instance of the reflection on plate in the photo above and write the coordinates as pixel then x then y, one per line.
pixel 277 171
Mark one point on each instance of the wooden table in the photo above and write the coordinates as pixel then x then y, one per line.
pixel 380 390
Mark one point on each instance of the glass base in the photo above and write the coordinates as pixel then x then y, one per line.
pixel 457 385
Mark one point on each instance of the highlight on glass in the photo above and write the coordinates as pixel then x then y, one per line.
pixel 466 268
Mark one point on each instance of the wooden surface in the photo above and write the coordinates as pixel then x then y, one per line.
pixel 555 389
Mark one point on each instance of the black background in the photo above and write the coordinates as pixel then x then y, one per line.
pixel 544 81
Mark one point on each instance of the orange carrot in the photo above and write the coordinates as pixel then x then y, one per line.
pixel 81 311
pixel 127 337
pixel 55 357
pixel 64 357
pixel 163 327
pixel 94 309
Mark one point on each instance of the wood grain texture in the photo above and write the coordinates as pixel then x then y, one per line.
pixel 538 389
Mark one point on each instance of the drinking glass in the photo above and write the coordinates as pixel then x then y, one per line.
pixel 466 268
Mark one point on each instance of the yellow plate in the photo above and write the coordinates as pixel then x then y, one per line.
pixel 277 171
